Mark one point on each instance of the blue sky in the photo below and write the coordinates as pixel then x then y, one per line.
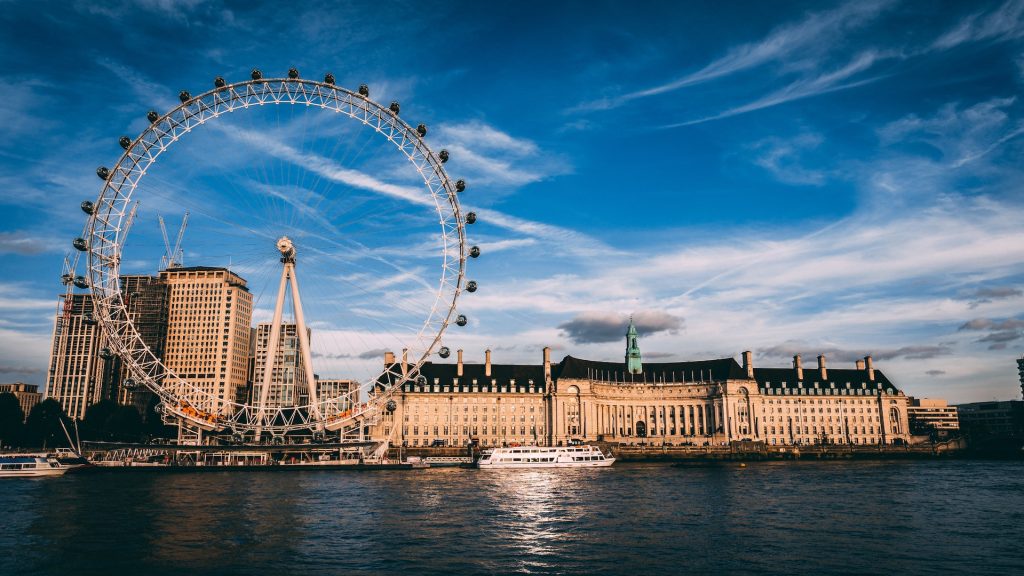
pixel 838 178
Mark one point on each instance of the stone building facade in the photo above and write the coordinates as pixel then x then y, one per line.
pixel 706 402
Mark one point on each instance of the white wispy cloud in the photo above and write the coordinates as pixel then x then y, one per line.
pixel 1003 23
pixel 489 157
pixel 808 87
pixel 782 158
pixel 796 41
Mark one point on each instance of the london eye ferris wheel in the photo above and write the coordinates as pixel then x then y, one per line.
pixel 287 179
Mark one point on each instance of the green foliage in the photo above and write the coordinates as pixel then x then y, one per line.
pixel 43 429
pixel 111 422
pixel 11 420
pixel 154 425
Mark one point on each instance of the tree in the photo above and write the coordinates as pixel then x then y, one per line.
pixel 96 424
pixel 154 426
pixel 12 420
pixel 126 424
pixel 43 427
pixel 107 420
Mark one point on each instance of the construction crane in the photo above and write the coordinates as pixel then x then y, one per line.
pixel 173 257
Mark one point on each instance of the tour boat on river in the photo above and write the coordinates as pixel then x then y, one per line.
pixel 544 457
pixel 30 466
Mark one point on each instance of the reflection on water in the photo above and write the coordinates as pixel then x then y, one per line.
pixel 920 517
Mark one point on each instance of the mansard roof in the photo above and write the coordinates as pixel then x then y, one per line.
pixel 697 371
pixel 503 375
pixel 787 377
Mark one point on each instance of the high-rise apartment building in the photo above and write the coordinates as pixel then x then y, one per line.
pixel 208 318
pixel 78 374
pixel 288 384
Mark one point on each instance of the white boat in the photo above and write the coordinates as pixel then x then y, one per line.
pixel 545 457
pixel 30 466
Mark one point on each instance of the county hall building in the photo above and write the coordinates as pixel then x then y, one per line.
pixel 677 403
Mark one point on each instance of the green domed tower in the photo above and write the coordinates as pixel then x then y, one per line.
pixel 633 363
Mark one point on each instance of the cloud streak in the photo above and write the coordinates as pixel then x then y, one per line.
pixel 797 39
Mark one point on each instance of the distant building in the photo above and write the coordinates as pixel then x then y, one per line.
pixel 1020 372
pixel 208 331
pixel 146 303
pixel 928 415
pixel 336 396
pixel 456 404
pixel 288 386
pixel 27 394
pixel 698 403
pixel 80 366
pixel 993 419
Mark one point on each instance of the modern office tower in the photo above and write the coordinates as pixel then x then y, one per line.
pixel 288 386
pixel 146 302
pixel 77 369
pixel 208 330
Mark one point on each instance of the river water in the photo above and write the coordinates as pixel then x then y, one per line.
pixel 918 517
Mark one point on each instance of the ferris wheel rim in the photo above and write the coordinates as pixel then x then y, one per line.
pixel 106 237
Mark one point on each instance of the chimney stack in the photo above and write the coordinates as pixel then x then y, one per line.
pixel 748 364
pixel 870 367
pixel 405 361
pixel 798 365
pixel 821 368
pixel 487 363
pixel 860 364
pixel 389 358
pixel 547 364
pixel 459 370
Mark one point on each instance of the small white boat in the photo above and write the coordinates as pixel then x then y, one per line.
pixel 30 466
pixel 545 457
